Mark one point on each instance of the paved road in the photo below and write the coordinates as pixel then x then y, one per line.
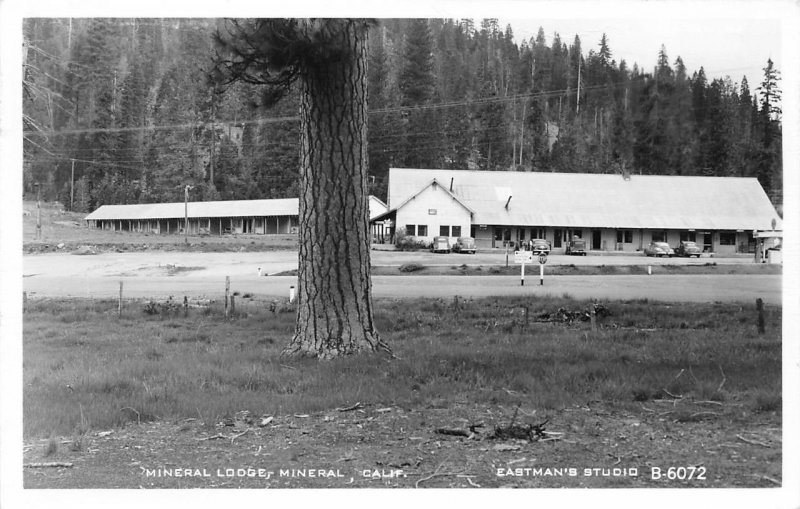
pixel 202 275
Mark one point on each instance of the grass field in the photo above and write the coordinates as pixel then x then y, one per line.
pixel 85 368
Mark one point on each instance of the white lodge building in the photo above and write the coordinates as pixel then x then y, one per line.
pixel 256 217
pixel 609 211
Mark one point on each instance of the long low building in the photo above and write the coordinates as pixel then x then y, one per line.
pixel 264 217
pixel 611 212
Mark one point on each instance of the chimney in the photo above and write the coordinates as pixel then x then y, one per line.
pixel 451 184
pixel 509 201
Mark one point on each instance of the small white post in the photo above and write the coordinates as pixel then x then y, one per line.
pixel 649 270
pixel 291 293
pixel 259 272
pixel 522 275
pixel 541 274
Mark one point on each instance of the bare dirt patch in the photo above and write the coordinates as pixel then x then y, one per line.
pixel 594 445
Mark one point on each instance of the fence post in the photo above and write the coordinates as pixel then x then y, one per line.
pixel 227 292
pixel 233 305
pixel 593 317
pixel 760 308
pixel 119 309
pixel 24 300
pixel 185 306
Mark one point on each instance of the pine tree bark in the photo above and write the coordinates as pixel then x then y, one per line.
pixel 335 315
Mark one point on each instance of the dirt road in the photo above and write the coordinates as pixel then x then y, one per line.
pixel 202 275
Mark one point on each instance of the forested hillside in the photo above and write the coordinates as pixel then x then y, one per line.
pixel 125 106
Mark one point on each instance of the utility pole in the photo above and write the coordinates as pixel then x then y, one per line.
pixel 186 213
pixel 38 212
pixel 72 188
pixel 578 104
pixel 213 148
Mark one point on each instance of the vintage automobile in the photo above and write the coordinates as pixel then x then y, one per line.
pixel 659 249
pixel 464 245
pixel 689 249
pixel 539 246
pixel 576 246
pixel 440 245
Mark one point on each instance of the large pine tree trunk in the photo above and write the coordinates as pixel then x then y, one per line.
pixel 334 315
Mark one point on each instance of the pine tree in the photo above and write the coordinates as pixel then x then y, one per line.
pixel 328 59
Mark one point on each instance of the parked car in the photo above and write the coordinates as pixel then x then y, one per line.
pixel 689 249
pixel 539 246
pixel 576 246
pixel 440 245
pixel 659 249
pixel 464 245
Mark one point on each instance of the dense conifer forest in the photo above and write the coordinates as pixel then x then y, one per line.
pixel 123 111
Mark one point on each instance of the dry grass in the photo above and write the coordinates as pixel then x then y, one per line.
pixel 84 368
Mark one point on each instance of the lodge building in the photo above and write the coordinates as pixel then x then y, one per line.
pixel 502 209
pixel 259 217
pixel 611 212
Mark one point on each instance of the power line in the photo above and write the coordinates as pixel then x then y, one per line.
pixel 272 120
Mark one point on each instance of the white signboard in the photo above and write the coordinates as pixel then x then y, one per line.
pixel 523 256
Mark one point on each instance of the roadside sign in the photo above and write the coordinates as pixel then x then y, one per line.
pixel 542 258
pixel 523 256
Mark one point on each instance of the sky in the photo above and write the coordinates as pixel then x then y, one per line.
pixel 733 47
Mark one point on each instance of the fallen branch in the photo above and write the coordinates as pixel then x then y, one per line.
pixel 469 480
pixel 698 414
pixel 218 435
pixel 723 379
pixel 436 473
pixel 752 442
pixel 770 479
pixel 350 408
pixel 56 464
pixel 234 437
pixel 452 432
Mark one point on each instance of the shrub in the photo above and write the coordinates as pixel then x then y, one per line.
pixel 411 267
pixel 405 242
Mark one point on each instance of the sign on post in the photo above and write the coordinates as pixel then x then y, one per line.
pixel 523 257
pixel 542 261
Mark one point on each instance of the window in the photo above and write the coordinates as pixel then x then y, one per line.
pixel 660 236
pixel 444 231
pixel 411 229
pixel 688 236
pixel 556 238
pixel 456 231
pixel 422 230
pixel 727 238
pixel 624 236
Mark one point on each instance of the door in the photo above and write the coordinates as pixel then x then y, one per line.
pixel 708 243
pixel 596 239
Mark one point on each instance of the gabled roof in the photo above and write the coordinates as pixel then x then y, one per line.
pixel 597 200
pixel 376 206
pixel 437 184
pixel 230 208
